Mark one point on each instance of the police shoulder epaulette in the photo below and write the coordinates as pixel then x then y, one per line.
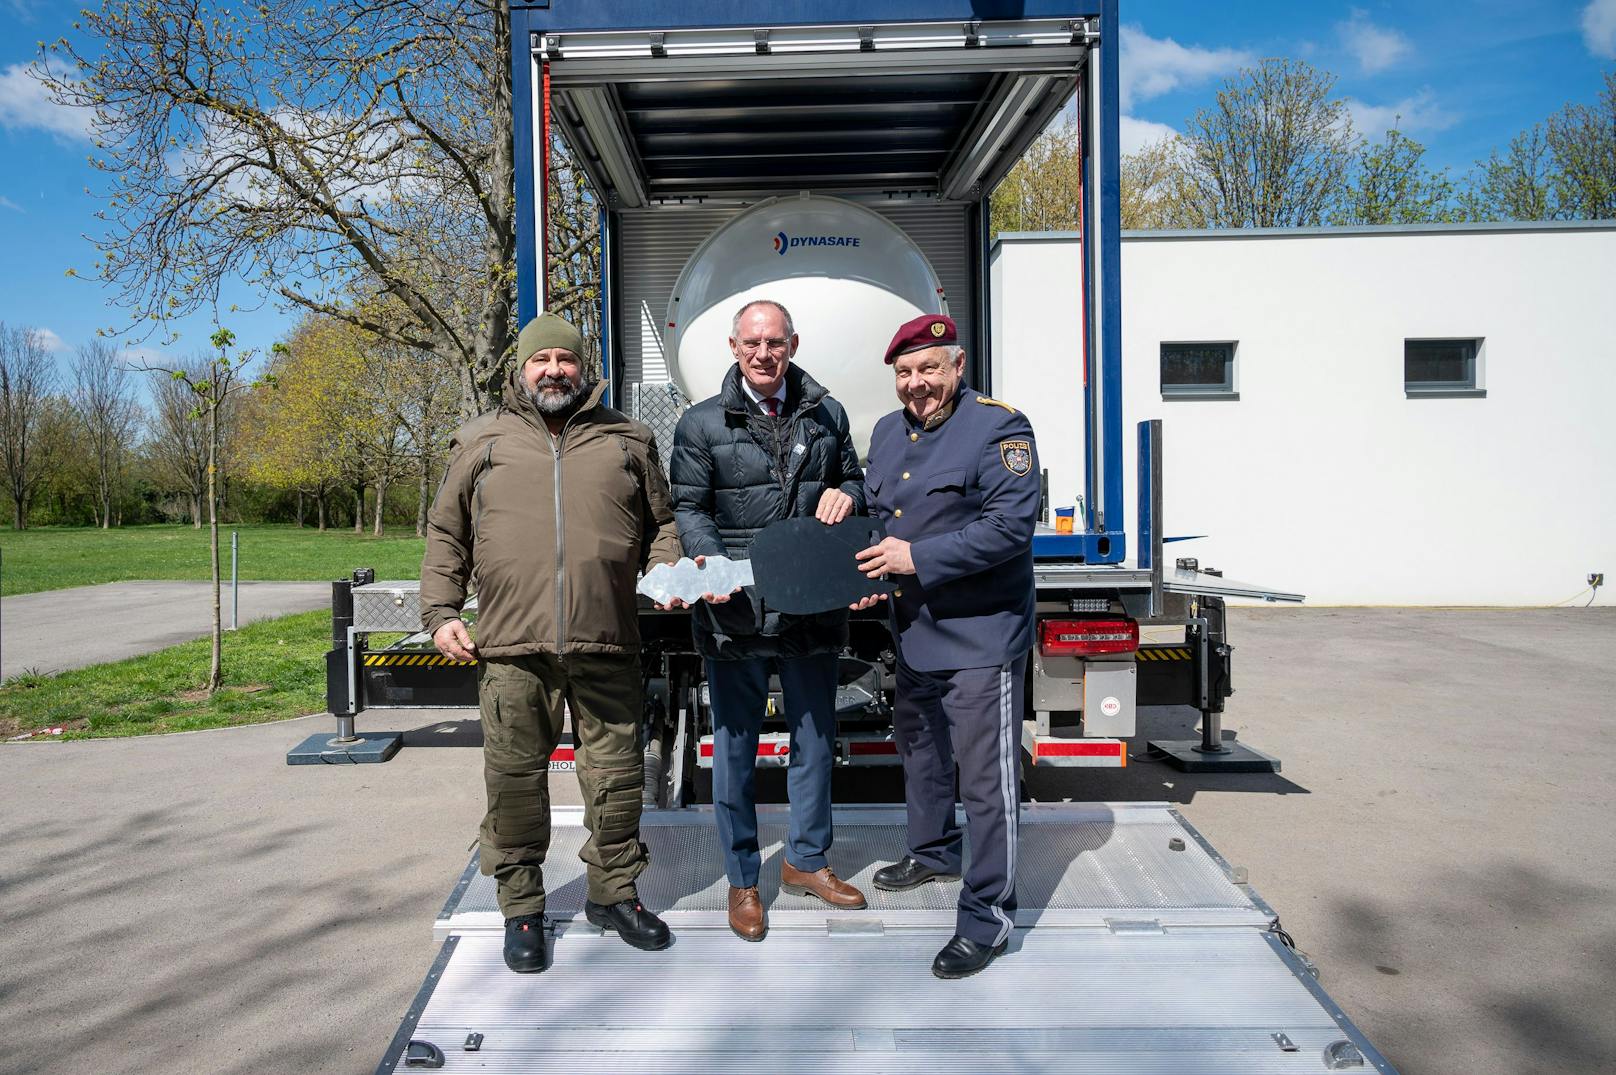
pixel 996 403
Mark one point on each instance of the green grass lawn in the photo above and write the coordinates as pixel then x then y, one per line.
pixel 273 669
pixel 54 558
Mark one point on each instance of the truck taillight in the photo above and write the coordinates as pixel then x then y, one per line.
pixel 1068 638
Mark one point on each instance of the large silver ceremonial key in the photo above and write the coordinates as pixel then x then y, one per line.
pixel 799 566
pixel 687 582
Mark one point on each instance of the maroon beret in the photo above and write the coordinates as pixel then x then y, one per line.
pixel 928 330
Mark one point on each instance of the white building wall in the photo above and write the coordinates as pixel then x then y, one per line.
pixel 1322 476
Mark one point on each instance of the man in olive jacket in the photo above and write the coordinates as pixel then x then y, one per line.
pixel 550 507
pixel 771 445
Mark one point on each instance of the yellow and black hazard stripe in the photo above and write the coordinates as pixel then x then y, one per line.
pixel 420 660
pixel 1165 653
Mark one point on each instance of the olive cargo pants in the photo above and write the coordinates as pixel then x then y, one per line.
pixel 521 704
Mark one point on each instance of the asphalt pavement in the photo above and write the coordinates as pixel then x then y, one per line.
pixel 60 629
pixel 1440 841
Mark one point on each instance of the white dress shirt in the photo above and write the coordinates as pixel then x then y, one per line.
pixel 757 397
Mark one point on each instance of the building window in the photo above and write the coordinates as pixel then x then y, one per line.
pixel 1442 368
pixel 1198 371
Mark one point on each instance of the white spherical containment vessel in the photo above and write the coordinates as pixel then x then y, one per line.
pixel 848 275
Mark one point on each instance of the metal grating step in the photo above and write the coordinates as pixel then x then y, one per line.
pixel 1061 999
pixel 1081 865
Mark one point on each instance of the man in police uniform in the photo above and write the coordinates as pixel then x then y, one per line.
pixel 954 478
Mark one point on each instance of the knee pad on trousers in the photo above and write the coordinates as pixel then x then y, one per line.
pixel 518 818
pixel 613 798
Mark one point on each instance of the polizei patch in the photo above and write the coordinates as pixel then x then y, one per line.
pixel 1017 456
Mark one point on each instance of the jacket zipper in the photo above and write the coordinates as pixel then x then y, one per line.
pixel 561 545
pixel 557 443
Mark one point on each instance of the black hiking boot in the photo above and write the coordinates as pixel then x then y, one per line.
pixel 525 951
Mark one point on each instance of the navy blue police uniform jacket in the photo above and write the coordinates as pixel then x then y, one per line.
pixel 965 496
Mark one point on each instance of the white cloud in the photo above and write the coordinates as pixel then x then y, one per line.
pixel 143 356
pixel 7 203
pixel 1599 28
pixel 1152 66
pixel 1374 47
pixel 49 340
pixel 1420 113
pixel 25 105
pixel 1136 133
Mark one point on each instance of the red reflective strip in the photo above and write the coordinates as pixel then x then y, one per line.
pixel 765 750
pixel 563 754
pixel 872 748
pixel 1079 750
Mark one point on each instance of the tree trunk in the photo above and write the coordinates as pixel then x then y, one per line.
pixel 216 671
pixel 425 499
pixel 381 499
pixel 300 509
pixel 319 506
pixel 359 509
pixel 196 511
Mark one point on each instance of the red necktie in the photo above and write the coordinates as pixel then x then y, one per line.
pixel 772 406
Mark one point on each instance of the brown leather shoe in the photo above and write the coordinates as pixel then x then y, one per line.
pixel 824 884
pixel 746 915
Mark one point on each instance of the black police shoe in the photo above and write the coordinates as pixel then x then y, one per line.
pixel 633 923
pixel 525 952
pixel 907 873
pixel 963 957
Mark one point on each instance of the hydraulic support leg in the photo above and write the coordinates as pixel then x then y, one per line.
pixel 342 695
pixel 1208 639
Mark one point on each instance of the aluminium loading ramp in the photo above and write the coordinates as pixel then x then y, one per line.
pixel 1135 951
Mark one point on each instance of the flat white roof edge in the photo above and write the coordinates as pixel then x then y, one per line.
pixel 1204 234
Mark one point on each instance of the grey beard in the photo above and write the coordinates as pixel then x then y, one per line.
pixel 565 403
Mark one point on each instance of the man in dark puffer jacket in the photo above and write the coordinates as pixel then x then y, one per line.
pixel 771 445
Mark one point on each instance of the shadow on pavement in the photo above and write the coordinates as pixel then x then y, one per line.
pixel 1555 1006
pixel 447 733
pixel 1146 779
pixel 77 924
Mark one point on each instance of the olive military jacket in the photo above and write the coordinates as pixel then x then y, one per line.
pixel 550 532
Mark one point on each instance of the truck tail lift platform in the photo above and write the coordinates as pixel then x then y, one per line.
pixel 1136 949
pixel 743 128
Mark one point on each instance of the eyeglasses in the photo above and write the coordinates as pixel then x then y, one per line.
pixel 775 345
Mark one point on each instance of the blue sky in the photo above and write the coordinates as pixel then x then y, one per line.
pixel 1464 75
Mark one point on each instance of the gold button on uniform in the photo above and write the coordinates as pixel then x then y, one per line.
pixel 906 475
pixel 897 593
pixel 898 514
pixel 914 436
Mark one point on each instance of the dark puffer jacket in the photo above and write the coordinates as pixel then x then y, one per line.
pixel 729 482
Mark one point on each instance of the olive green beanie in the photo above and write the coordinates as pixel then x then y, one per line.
pixel 546 331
